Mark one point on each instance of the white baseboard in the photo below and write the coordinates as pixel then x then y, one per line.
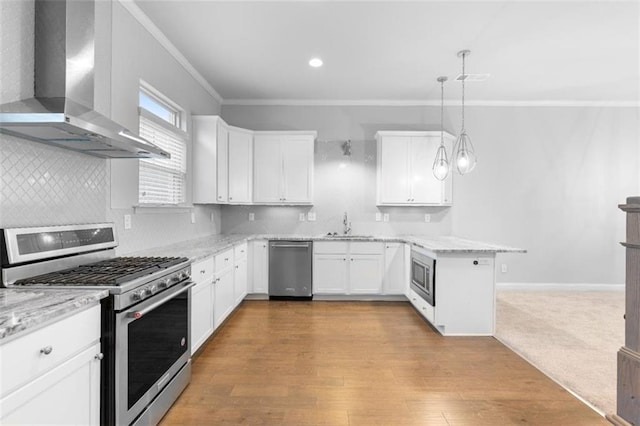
pixel 559 287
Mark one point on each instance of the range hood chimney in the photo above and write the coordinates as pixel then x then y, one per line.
pixel 62 111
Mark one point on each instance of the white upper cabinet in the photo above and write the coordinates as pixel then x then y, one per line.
pixel 404 171
pixel 222 162
pixel 283 167
pixel 240 165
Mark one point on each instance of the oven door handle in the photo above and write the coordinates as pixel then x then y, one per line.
pixel 142 312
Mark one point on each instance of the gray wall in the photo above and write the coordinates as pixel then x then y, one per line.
pixel 43 185
pixel 548 180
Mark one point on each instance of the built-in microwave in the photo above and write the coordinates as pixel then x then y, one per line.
pixel 423 276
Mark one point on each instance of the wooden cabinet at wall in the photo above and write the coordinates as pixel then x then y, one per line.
pixel 222 162
pixel 202 301
pixel 259 267
pixel 283 169
pixel 52 375
pixel 348 267
pixel 404 171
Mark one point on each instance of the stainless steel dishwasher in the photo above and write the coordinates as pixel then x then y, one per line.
pixel 290 269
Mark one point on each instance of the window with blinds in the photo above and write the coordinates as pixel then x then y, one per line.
pixel 162 181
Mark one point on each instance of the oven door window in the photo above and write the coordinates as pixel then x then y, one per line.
pixel 155 342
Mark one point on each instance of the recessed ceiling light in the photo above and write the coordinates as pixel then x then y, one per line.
pixel 315 62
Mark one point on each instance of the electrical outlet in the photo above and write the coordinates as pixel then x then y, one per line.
pixel 252 217
pixel 427 217
pixel 193 217
pixel 311 216
pixel 378 217
pixel 127 221
pixel 301 217
pixel 212 217
pixel 385 217
pixel 504 268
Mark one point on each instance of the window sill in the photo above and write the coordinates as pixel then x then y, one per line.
pixel 162 208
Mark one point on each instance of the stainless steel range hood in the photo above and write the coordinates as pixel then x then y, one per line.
pixel 61 112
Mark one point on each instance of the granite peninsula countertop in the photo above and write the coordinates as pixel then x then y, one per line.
pixel 201 248
pixel 24 310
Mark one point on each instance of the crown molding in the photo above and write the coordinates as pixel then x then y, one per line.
pixel 409 103
pixel 148 24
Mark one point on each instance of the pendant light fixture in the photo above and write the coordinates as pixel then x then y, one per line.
pixel 464 155
pixel 441 163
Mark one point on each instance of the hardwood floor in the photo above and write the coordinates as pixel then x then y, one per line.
pixel 362 363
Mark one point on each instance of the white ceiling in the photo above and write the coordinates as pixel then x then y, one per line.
pixel 547 52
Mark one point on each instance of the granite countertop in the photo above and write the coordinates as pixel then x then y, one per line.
pixel 201 248
pixel 23 310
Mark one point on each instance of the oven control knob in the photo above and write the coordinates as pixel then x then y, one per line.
pixel 150 290
pixel 137 295
pixel 184 275
pixel 164 283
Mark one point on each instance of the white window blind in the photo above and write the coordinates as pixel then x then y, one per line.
pixel 162 181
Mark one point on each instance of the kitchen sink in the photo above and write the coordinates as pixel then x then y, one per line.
pixel 347 237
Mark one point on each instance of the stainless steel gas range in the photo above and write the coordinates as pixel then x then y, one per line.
pixel 145 319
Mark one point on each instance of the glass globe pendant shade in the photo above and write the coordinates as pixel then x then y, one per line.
pixel 441 164
pixel 465 156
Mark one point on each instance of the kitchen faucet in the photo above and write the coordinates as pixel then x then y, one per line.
pixel 346 230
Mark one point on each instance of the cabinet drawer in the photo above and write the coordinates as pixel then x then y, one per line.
pixel 330 247
pixel 23 361
pixel 421 305
pixel 224 260
pixel 202 270
pixel 359 247
pixel 240 251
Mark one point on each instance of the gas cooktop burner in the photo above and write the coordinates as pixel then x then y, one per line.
pixel 111 272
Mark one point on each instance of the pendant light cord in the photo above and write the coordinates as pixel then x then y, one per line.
pixel 464 77
pixel 442 112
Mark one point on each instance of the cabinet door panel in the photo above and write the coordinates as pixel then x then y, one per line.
pixel 297 159
pixel 394 164
pixel 223 166
pixel 205 155
pixel 330 274
pixel 267 169
pixel 425 188
pixel 224 301
pixel 240 167
pixel 259 282
pixel 201 314
pixel 68 394
pixel 240 281
pixel 395 281
pixel 365 273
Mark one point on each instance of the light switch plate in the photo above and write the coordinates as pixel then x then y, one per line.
pixel 385 217
pixel 504 268
pixel 301 217
pixel 193 217
pixel 378 217
pixel 127 221
pixel 212 217
pixel 252 217
pixel 427 217
pixel 311 216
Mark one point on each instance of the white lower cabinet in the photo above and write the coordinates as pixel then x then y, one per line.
pixel 202 300
pixel 395 281
pixel 258 267
pixel 465 295
pixel 224 293
pixel 240 273
pixel 330 273
pixel 52 375
pixel 347 267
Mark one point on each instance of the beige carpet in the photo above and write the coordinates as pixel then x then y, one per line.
pixel 572 336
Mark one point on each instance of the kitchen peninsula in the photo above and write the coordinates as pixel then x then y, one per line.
pixel 465 274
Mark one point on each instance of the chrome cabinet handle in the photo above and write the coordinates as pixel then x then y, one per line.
pixel 99 356
pixel 46 350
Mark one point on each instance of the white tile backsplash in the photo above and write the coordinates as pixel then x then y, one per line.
pixel 44 185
